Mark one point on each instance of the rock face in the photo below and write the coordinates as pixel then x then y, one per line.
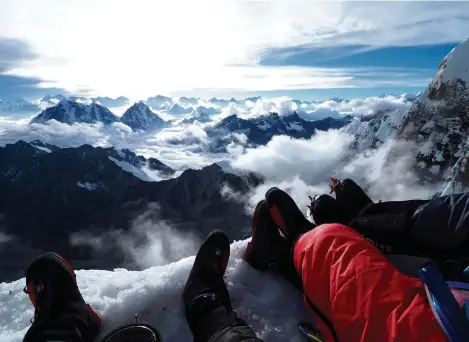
pixel 140 117
pixel 435 128
pixel 260 130
pixel 438 121
pixel 69 112
pixel 70 190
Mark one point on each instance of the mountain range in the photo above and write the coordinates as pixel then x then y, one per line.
pixel 49 191
pixel 260 130
pixel 139 116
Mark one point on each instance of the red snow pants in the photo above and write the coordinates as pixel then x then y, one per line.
pixel 356 294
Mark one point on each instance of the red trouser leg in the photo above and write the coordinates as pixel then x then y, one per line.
pixel 359 292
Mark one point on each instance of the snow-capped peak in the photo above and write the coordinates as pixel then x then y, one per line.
pixel 67 111
pixel 140 116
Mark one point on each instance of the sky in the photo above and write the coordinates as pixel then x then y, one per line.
pixel 299 48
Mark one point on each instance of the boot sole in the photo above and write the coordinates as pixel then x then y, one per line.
pixel 288 215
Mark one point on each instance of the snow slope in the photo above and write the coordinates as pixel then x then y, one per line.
pixel 268 303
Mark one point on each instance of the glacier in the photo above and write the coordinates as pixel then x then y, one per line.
pixel 269 304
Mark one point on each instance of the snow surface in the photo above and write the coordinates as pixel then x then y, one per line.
pixel 45 149
pixel 295 126
pixel 270 305
pixel 144 173
pixel 88 186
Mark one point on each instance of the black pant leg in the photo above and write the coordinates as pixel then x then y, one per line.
pixel 220 325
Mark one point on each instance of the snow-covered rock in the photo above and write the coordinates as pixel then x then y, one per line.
pixel 17 106
pixel 260 130
pixel 201 117
pixel 87 186
pixel 373 131
pixel 67 111
pixel 270 305
pixel 140 116
pixel 438 121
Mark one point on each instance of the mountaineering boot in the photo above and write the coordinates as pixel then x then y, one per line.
pixel 268 249
pixel 61 314
pixel 326 209
pixel 351 198
pixel 286 214
pixel 206 298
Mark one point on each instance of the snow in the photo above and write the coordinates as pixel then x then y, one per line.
pixel 268 303
pixel 295 126
pixel 456 64
pixel 428 126
pixel 144 176
pixel 264 126
pixel 88 186
pixel 120 153
pixel 435 169
pixel 45 149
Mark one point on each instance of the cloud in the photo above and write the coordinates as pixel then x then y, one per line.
pixel 101 59
pixel 390 179
pixel 364 106
pixel 13 52
pixel 179 147
pixel 311 160
pixel 317 110
pixel 151 241
pixel 304 167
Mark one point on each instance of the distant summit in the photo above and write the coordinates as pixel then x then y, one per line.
pixel 69 112
pixel 140 116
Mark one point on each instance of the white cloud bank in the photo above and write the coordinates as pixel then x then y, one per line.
pixel 304 167
pixel 145 47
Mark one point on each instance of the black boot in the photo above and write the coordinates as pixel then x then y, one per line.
pixel 326 209
pixel 286 214
pixel 351 198
pixel 61 314
pixel 268 249
pixel 206 298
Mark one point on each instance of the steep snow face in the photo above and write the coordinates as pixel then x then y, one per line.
pixel 270 305
pixel 438 121
pixel 69 112
pixel 374 130
pixel 140 116
pixel 17 106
